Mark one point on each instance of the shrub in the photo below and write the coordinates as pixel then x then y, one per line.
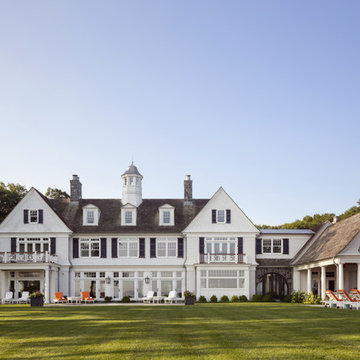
pixel 188 293
pixel 297 297
pixel 287 299
pixel 224 299
pixel 213 299
pixel 311 298
pixel 243 298
pixel 125 299
pixel 234 299
pixel 202 299
pixel 36 294
pixel 107 299
pixel 256 298
pixel 267 298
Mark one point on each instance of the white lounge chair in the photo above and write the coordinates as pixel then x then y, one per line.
pixel 24 298
pixel 8 299
pixel 149 297
pixel 171 298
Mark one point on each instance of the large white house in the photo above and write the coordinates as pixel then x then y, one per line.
pixel 128 246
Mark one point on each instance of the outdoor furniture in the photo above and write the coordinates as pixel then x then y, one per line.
pixel 85 296
pixel 333 299
pixel 59 298
pixel 158 299
pixel 149 297
pixel 24 298
pixel 74 299
pixel 8 298
pixel 171 298
pixel 347 299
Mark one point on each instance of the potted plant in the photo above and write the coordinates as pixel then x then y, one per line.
pixel 36 299
pixel 189 297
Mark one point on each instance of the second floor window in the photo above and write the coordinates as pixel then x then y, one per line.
pixel 166 248
pixel 166 217
pixel 33 216
pixel 90 217
pixel 272 246
pixel 128 248
pixel 89 247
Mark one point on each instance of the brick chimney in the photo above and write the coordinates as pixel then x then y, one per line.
pixel 75 189
pixel 188 190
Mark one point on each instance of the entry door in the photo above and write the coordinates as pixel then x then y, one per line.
pixel 331 285
pixel 315 287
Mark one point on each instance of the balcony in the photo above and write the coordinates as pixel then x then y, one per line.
pixel 27 257
pixel 222 258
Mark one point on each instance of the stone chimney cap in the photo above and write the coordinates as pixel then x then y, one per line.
pixel 75 177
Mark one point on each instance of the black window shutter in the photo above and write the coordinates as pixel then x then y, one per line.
pixel 142 248
pixel 52 246
pixel 240 245
pixel 213 216
pixel 26 216
pixel 13 244
pixel 285 246
pixel 103 248
pixel 75 248
pixel 114 245
pixel 201 245
pixel 259 246
pixel 153 247
pixel 41 216
pixel 228 216
pixel 180 248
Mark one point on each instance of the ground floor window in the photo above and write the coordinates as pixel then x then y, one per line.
pixel 222 279
pixel 165 281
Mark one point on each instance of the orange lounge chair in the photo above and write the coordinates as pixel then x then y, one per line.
pixel 355 293
pixel 333 298
pixel 85 296
pixel 59 298
pixel 347 299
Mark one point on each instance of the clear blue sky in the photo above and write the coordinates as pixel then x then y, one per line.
pixel 260 97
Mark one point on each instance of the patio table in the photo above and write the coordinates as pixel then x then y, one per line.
pixel 74 299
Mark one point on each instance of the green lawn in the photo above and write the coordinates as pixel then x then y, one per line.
pixel 211 331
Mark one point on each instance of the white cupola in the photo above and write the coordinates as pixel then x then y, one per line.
pixel 132 189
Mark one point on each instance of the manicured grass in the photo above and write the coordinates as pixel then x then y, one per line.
pixel 211 331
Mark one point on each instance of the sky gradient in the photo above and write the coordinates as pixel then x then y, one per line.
pixel 260 97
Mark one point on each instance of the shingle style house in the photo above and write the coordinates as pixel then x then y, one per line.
pixel 128 246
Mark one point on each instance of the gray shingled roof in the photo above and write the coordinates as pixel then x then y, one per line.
pixel 110 215
pixel 287 231
pixel 332 241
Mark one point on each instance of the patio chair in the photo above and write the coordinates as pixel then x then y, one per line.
pixel 24 298
pixel 85 296
pixel 333 299
pixel 171 298
pixel 149 297
pixel 347 299
pixel 8 298
pixel 59 298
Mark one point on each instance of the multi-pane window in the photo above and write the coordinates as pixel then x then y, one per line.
pixel 33 244
pixel 166 248
pixel 128 217
pixel 33 216
pixel 90 217
pixel 89 247
pixel 166 217
pixel 128 248
pixel 272 246
pixel 222 279
pixel 220 245
pixel 221 216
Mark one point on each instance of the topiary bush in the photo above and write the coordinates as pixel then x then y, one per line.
pixel 125 299
pixel 202 299
pixel 243 298
pixel 256 298
pixel 234 299
pixel 267 298
pixel 214 299
pixel 224 299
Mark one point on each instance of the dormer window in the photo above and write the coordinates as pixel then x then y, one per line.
pixel 128 215
pixel 91 215
pixel 166 215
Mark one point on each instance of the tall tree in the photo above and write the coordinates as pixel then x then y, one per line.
pixel 54 193
pixel 10 195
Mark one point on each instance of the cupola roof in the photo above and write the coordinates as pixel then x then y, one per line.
pixel 131 170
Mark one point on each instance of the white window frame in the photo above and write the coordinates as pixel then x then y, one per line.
pixel 211 242
pixel 270 244
pixel 90 217
pixel 166 241
pixel 128 242
pixel 124 210
pixel 222 274
pixel 164 210
pixel 218 216
pixel 90 242
pixel 128 217
pixel 87 210
pixel 33 242
pixel 36 215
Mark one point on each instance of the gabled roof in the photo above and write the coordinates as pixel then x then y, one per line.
pixel 332 241
pixel 110 218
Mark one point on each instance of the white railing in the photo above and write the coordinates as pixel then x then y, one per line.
pixel 27 257
pixel 222 258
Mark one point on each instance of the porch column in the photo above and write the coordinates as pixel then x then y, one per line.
pixel 308 288
pixel 296 283
pixel 358 276
pixel 2 284
pixel 341 276
pixel 47 285
pixel 323 282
